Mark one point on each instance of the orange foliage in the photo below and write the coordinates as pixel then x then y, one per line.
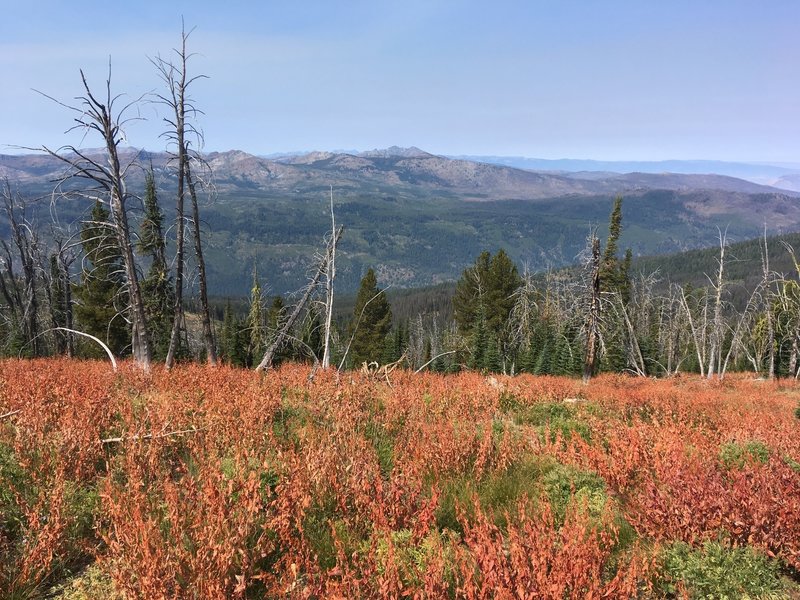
pixel 222 483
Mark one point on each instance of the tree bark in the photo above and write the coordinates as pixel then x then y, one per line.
pixel 205 313
pixel 593 317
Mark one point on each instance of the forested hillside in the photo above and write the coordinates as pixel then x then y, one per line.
pixel 417 219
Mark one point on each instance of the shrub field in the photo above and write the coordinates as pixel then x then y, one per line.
pixel 222 483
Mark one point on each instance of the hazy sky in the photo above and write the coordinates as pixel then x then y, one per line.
pixel 602 79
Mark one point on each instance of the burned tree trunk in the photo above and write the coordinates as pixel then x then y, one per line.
pixel 269 355
pixel 330 275
pixel 175 76
pixel 205 313
pixel 109 179
pixel 593 315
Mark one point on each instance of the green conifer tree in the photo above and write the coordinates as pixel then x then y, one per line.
pixel 255 323
pixel 100 296
pixel 484 298
pixel 158 290
pixel 371 323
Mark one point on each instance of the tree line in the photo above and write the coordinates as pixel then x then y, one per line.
pixel 117 285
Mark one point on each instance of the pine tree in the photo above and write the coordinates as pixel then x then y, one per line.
pixel 255 323
pixel 615 274
pixel 492 359
pixel 100 297
pixel 371 323
pixel 312 336
pixel 58 305
pixel 157 289
pixel 479 342
pixel 483 301
pixel 228 346
pixel 273 321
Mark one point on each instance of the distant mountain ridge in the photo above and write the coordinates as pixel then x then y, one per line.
pixel 471 179
pixel 761 173
pixel 419 218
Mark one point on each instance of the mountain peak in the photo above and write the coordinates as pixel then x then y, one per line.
pixel 395 151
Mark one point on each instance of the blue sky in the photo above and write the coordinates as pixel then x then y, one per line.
pixel 608 80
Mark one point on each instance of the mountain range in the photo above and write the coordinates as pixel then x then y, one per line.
pixel 420 219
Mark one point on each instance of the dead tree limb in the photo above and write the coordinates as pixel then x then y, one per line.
pixel 269 355
pixel 102 117
pixel 91 337
pixel 150 436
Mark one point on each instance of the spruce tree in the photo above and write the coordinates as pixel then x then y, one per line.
pixel 255 323
pixel 479 342
pixel 313 345
pixel 273 321
pixel 615 274
pixel 157 289
pixel 371 323
pixel 483 301
pixel 100 296
pixel 228 347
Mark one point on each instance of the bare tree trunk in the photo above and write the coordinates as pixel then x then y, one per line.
pixel 205 313
pixel 68 321
pixel 139 336
pixel 695 337
pixel 176 99
pixel 765 282
pixel 266 361
pixel 634 351
pixel 593 317
pixel 100 117
pixel 330 275
pixel 715 349
pixel 177 322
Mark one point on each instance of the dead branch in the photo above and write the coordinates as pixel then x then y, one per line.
pixel 266 362
pixel 91 337
pixel 150 436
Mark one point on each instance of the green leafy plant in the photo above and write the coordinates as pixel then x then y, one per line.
pixel 718 571
pixel 736 454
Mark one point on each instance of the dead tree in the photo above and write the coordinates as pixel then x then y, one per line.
pixel 330 275
pixel 176 99
pixel 793 301
pixel 101 117
pixel 205 312
pixel 20 290
pixel 766 285
pixel 593 311
pixel 283 332
pixel 697 332
pixel 717 329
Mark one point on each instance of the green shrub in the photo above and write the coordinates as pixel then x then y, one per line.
pixel 14 483
pixel 92 584
pixel 497 492
pixel 384 446
pixel 563 483
pixel 718 571
pixel 412 559
pixel 735 454
pixel 556 416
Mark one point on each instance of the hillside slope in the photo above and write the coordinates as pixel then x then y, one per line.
pixel 419 219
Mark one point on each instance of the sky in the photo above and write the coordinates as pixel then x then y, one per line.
pixel 605 80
